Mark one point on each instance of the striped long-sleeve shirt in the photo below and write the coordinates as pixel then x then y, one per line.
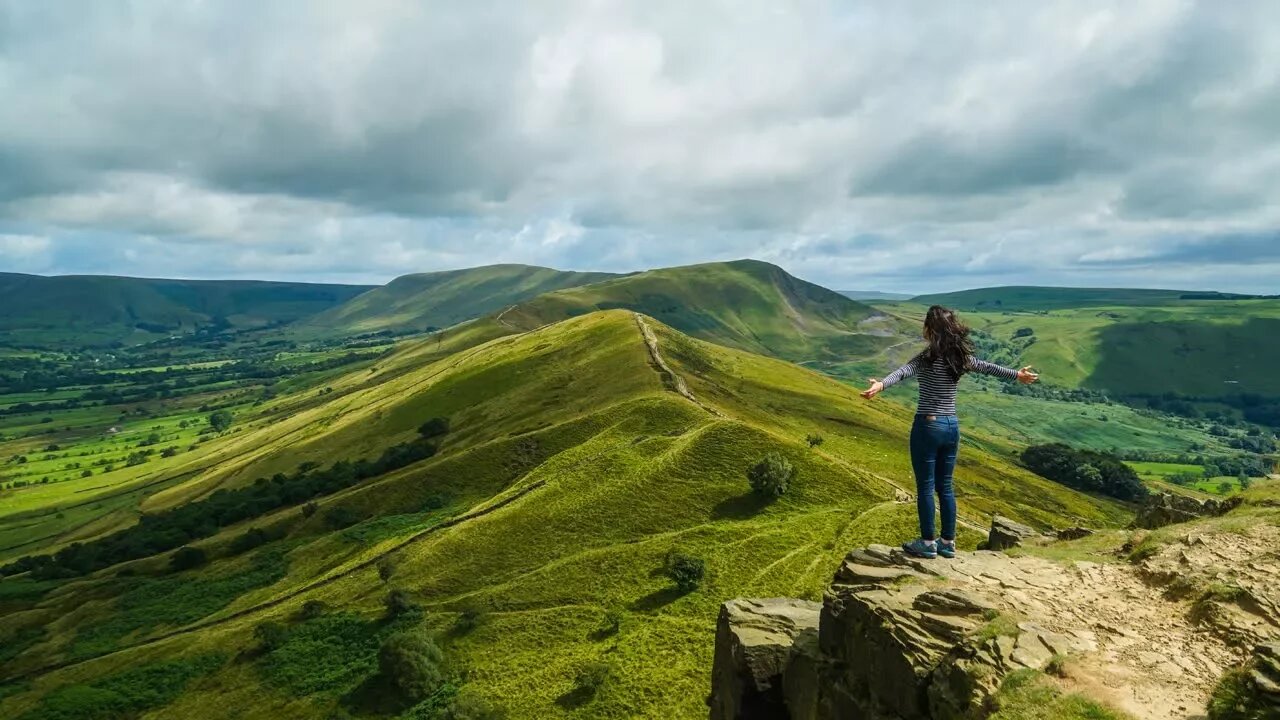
pixel 937 388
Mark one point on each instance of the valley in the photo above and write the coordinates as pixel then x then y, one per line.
pixel 513 460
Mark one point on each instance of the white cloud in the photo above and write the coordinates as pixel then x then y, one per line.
pixel 889 144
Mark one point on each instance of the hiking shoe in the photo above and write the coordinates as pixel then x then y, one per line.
pixel 946 549
pixel 921 548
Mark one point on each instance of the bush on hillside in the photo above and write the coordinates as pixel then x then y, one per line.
pixel 686 571
pixel 412 664
pixel 400 603
pixel 433 428
pixel 813 439
pixel 771 476
pixel 1085 470
pixel 591 677
pixel 252 538
pixel 220 420
pixel 187 558
pixel 469 706
pixel 270 635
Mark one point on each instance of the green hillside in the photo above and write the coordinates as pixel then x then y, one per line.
pixel 1215 353
pixel 86 310
pixel 534 540
pixel 745 304
pixel 441 299
pixel 1032 298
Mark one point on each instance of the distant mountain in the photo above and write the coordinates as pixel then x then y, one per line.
pixel 873 295
pixel 100 309
pixel 746 304
pixel 1029 298
pixel 440 299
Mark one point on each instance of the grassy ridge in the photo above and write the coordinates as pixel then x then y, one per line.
pixel 85 310
pixel 572 471
pixel 744 304
pixel 441 299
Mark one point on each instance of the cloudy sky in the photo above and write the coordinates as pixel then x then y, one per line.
pixel 893 145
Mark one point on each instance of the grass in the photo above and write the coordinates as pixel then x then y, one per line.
pixel 576 489
pixel 1235 697
pixel 124 694
pixel 1030 695
pixel 997 625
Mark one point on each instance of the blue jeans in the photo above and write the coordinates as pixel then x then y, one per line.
pixel 934 444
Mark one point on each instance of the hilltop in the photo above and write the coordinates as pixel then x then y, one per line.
pixel 533 538
pixel 745 304
pixel 81 310
pixel 1032 298
pixel 429 301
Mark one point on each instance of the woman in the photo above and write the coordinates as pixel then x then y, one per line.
pixel 935 436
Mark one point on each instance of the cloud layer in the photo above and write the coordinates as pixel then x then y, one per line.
pixel 903 146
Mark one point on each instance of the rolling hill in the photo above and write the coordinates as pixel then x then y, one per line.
pixel 745 304
pixel 427 301
pixel 581 454
pixel 1032 298
pixel 36 310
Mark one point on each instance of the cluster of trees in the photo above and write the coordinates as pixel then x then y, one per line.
pixel 1085 470
pixel 164 531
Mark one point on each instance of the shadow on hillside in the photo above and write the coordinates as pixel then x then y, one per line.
pixel 576 698
pixel 740 507
pixel 375 697
pixel 658 599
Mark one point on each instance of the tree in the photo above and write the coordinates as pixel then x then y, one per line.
pixel 220 420
pixel 1224 487
pixel 187 558
pixel 412 664
pixel 1245 480
pixel 813 439
pixel 771 476
pixel 386 569
pixel 685 571
pixel 169 452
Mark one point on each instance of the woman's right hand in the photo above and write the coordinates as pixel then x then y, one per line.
pixel 1026 375
pixel 874 390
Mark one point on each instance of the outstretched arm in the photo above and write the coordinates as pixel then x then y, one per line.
pixel 895 377
pixel 1025 376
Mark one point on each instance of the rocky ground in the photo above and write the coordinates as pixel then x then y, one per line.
pixel 1149 630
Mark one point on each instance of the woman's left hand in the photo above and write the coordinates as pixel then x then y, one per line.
pixel 874 390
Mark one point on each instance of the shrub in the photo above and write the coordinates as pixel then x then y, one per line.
pixel 590 677
pixel 312 609
pixel 771 476
pixel 610 624
pixel 412 664
pixel 400 603
pixel 270 635
pixel 813 439
pixel 310 509
pixel 435 427
pixel 252 538
pixel 187 558
pixel 469 619
pixel 685 571
pixel 386 569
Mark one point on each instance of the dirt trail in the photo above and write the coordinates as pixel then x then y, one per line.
pixel 678 384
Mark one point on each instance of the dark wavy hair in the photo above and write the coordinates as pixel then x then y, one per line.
pixel 948 340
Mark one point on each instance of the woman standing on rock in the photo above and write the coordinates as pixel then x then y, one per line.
pixel 935 435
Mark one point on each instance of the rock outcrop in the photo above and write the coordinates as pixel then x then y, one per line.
pixel 899 638
pixel 1006 533
pixel 764 649
pixel 1074 533
pixel 1161 509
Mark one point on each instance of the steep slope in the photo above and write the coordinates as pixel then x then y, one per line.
pixel 88 309
pixel 745 304
pixel 440 299
pixel 534 539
